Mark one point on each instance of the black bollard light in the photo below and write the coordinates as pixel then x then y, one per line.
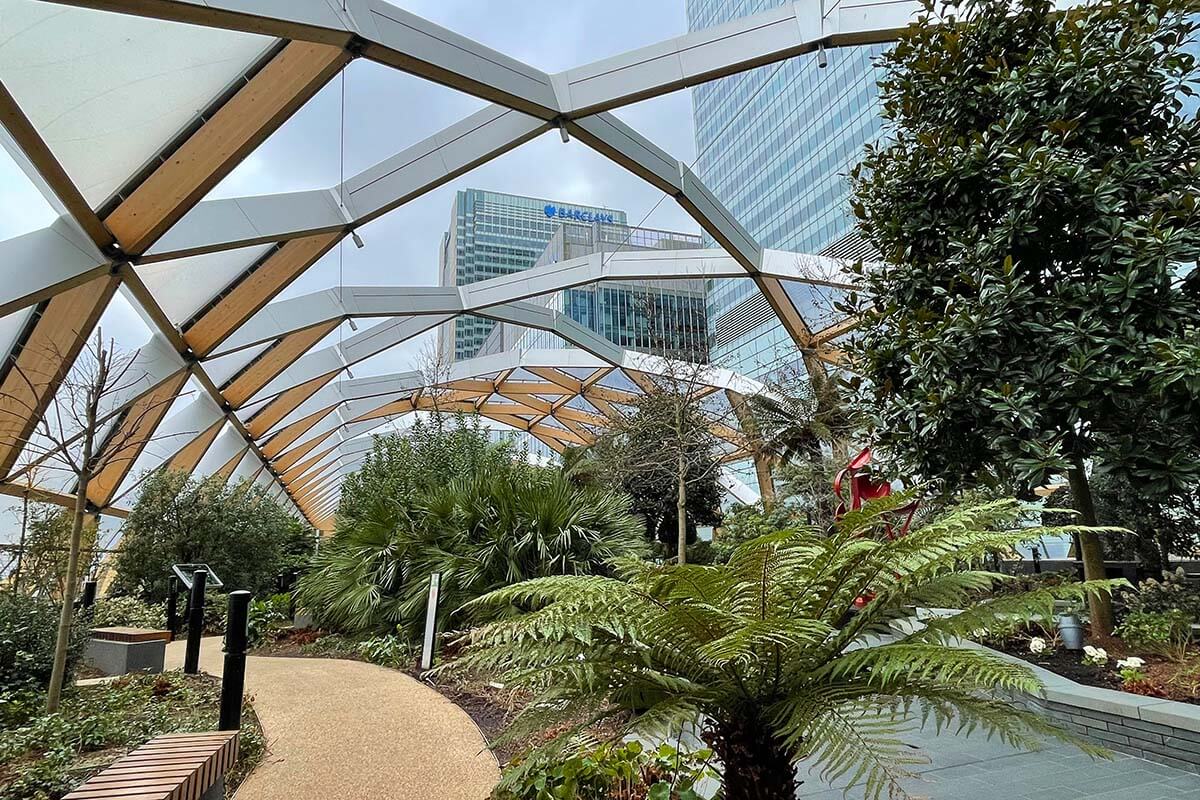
pixel 1037 561
pixel 191 659
pixel 233 678
pixel 89 596
pixel 173 606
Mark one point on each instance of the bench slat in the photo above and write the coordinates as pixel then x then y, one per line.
pixel 177 766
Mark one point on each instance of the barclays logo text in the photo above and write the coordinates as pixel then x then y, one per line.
pixel 558 212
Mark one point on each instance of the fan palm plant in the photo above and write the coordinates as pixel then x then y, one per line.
pixel 796 422
pixel 479 532
pixel 768 653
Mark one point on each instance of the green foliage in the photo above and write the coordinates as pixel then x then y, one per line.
pixel 47 550
pixel 496 522
pixel 216 611
pixel 1166 633
pixel 28 628
pixel 769 650
pixel 1033 201
pixel 129 612
pixel 641 453
pixel 394 652
pixel 238 530
pixel 701 552
pixel 1160 525
pixel 798 418
pixel 44 756
pixel 745 523
pixel 332 645
pixel 266 619
pixel 479 532
pixel 609 772
pixel 806 488
pixel 403 467
pixel 1172 593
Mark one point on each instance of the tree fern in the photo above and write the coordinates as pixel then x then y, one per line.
pixel 770 652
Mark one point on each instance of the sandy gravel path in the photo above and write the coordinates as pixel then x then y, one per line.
pixel 344 729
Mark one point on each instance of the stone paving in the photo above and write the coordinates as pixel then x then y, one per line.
pixel 974 768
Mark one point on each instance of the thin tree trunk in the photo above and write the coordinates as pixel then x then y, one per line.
pixel 59 672
pixel 681 512
pixel 65 617
pixel 1092 549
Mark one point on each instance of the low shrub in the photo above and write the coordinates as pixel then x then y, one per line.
pixel 388 651
pixel 46 755
pixel 268 618
pixel 1172 593
pixel 129 612
pixel 216 612
pixel 1166 633
pixel 28 629
pixel 333 645
pixel 610 772
pixel 744 523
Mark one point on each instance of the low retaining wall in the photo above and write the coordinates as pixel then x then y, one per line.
pixel 1147 727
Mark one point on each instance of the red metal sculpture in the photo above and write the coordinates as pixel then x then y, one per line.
pixel 863 489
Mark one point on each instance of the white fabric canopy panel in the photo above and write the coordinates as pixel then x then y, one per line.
pixel 108 91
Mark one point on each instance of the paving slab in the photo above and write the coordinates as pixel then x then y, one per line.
pixel 975 768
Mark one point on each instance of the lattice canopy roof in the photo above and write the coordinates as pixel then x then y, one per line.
pixel 199 85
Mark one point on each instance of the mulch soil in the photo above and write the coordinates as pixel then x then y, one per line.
pixel 1166 679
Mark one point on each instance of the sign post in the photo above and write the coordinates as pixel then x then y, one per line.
pixel 191 655
pixel 435 585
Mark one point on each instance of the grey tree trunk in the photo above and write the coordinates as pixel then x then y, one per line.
pixel 62 641
pixel 16 581
pixel 1092 550
pixel 681 511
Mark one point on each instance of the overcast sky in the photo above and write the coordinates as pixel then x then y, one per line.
pixel 386 111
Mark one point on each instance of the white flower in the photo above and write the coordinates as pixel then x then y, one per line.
pixel 1097 655
pixel 1133 662
pixel 1037 645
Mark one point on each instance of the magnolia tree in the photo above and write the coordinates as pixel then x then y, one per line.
pixel 1033 201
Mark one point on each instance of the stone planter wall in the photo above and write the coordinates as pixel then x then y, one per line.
pixel 1147 727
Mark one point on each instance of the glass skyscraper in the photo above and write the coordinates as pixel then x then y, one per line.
pixel 664 317
pixel 775 146
pixel 494 234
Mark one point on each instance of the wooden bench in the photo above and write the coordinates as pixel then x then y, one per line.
pixel 177 766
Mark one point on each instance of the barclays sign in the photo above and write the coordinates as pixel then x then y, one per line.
pixel 558 212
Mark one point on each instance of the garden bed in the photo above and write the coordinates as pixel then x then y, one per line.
pixel 1164 679
pixel 42 757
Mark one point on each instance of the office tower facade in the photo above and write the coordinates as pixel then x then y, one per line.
pixel 663 317
pixel 494 234
pixel 775 146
